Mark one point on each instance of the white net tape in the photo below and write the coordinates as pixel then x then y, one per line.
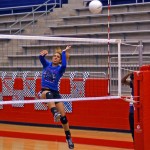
pixel 68 39
pixel 61 100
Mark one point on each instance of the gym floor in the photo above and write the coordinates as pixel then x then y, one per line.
pixel 18 137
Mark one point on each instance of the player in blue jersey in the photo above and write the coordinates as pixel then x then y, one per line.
pixel 131 110
pixel 51 74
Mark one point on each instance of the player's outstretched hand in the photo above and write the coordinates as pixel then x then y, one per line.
pixel 67 48
pixel 43 52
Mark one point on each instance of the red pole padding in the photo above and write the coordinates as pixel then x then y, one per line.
pixel 142 109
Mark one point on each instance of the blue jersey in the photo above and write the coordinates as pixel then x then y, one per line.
pixel 52 74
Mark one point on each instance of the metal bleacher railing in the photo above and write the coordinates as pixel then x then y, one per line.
pixel 31 10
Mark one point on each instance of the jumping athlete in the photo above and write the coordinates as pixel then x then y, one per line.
pixel 51 74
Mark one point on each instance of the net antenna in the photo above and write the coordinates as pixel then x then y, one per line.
pixel 50 42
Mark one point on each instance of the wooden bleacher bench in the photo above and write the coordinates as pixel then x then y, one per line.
pixel 12 21
pixel 105 15
pixel 35 56
pixel 76 44
pixel 7 30
pixel 54 45
pixel 99 24
pixel 19 14
pixel 102 33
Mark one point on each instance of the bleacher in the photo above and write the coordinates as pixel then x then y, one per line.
pixel 20 14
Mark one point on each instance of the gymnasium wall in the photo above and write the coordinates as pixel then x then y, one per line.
pixel 105 114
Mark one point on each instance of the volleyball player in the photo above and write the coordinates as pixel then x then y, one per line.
pixel 131 110
pixel 51 74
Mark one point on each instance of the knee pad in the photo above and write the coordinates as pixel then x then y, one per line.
pixel 64 120
pixel 49 95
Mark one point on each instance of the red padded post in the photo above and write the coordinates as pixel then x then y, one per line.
pixel 142 109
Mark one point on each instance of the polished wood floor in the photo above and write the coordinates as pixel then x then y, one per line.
pixel 7 143
pixel 27 144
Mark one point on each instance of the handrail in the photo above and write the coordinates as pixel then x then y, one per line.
pixel 33 12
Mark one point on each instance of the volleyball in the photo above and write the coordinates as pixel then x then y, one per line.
pixel 95 6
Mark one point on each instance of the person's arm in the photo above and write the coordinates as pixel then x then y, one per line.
pixel 42 55
pixel 64 61
pixel 124 79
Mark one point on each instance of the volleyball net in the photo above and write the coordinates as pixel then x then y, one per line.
pixel 87 73
pixel 93 71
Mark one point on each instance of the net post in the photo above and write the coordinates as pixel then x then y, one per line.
pixel 119 68
pixel 140 54
pixel 142 107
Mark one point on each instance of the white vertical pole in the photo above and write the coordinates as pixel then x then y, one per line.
pixel 119 68
pixel 108 46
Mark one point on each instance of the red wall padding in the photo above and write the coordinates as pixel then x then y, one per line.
pixel 142 109
pixel 18 84
pixel 95 87
pixel 97 114
pixel 0 85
